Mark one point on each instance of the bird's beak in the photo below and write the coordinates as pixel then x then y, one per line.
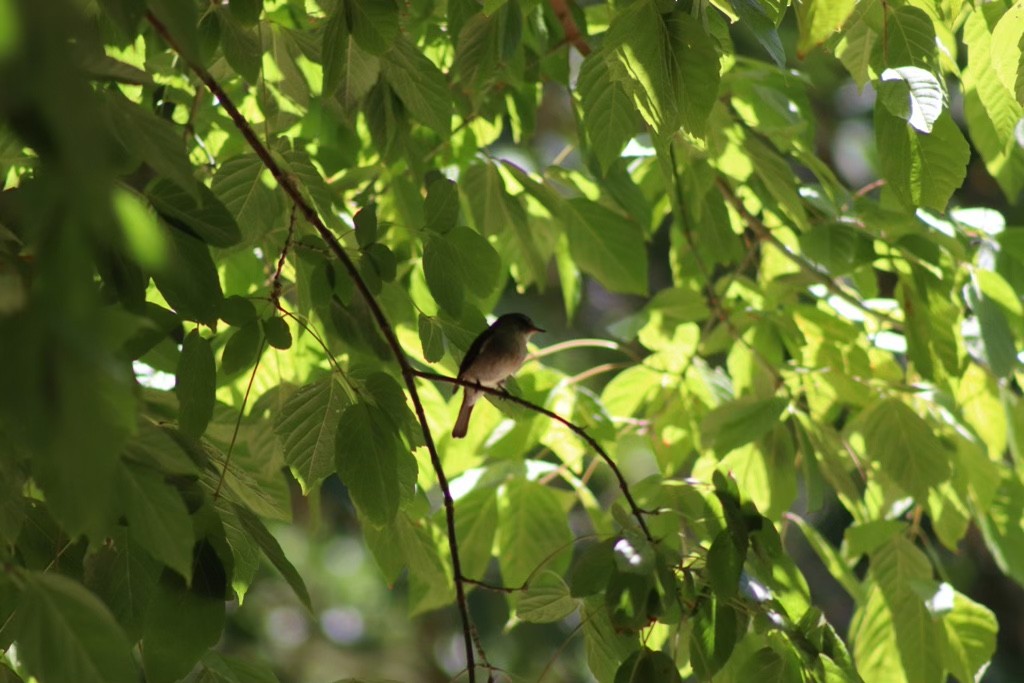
pixel 535 330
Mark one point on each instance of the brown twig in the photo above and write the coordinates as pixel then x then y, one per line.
pixel 288 184
pixel 572 31
pixel 275 286
pixel 571 426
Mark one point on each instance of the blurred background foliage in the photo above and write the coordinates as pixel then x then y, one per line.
pixel 142 242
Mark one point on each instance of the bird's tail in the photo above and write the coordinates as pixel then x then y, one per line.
pixel 462 423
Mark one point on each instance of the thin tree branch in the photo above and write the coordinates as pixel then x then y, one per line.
pixel 638 512
pixel 763 233
pixel 288 184
pixel 275 285
pixel 585 343
pixel 238 421
pixel 572 31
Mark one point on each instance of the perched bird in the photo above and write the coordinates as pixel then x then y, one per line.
pixel 492 358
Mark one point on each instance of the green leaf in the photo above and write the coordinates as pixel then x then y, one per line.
pixel 184 622
pixel 159 142
pixel 366 225
pixel 495 212
pixel 919 99
pixel 276 330
pixel 263 490
pixel 359 71
pixel 607 246
pixel 546 600
pixel 241 46
pixel 313 182
pixel 441 207
pixel 894 632
pixel 971 630
pixel 533 532
pixel 767 666
pixel 207 219
pixel 739 422
pixel 674 63
pixel 181 20
pixel 647 666
pixel 195 384
pixel 238 183
pixel 835 565
pixel 991 110
pixel 476 521
pixel 218 668
pixel 606 648
pixel 715 630
pixel 775 173
pixel 838 247
pixel 126 14
pixel 244 551
pixel 609 114
pixel 367 455
pixel 923 170
pixel 753 16
pixel 1007 61
pixel 272 549
pixel 904 445
pixel 419 84
pixel 430 577
pixel 247 11
pixel 460 265
pixel 124 576
pixel 306 425
pixel 238 311
pixel 819 19
pixel 57 615
pixel 161 448
pixel 593 569
pixel 431 338
pixel 479 49
pixel 242 349
pixel 374 23
pixel 1001 527
pixel 333 52
pixel 857 44
pixel 145 239
pixel 724 564
pixel 188 280
pixel 157 518
pixel 910 38
pixel 996 335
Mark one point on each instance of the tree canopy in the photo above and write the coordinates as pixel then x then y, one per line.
pixel 775 428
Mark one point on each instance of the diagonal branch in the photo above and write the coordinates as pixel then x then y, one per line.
pixel 579 431
pixel 763 233
pixel 572 31
pixel 288 184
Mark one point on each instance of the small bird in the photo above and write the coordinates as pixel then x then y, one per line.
pixel 492 358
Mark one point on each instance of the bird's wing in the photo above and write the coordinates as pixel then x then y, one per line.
pixel 474 350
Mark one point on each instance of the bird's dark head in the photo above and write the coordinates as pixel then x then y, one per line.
pixel 518 322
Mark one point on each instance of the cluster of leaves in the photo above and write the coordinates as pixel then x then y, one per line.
pixel 862 346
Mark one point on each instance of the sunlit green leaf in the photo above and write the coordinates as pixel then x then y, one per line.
pixel 532 532
pixel 272 549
